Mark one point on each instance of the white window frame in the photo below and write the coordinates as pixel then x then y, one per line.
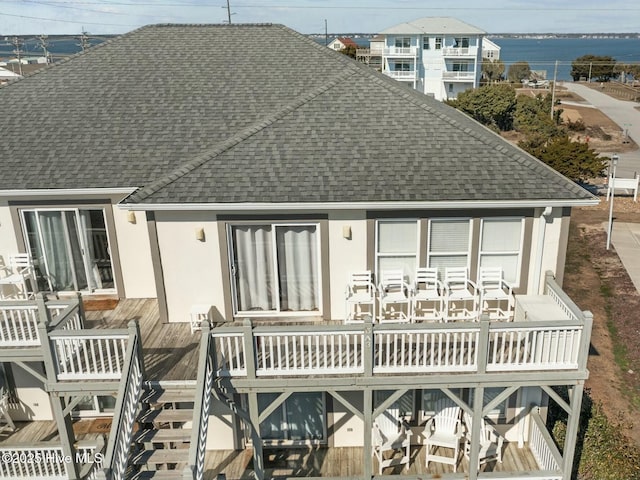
pixel 452 252
pixel 81 240
pixel 426 43
pixel 379 255
pixel 438 43
pixel 515 284
pixel 277 312
pixel 399 42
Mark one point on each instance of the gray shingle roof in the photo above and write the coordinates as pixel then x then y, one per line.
pixel 251 113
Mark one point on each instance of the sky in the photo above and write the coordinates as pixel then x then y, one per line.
pixel 31 17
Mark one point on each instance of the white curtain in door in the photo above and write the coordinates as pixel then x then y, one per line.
pixel 297 267
pixel 54 241
pixel 254 267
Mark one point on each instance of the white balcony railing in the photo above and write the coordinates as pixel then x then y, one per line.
pixel 466 76
pixel 460 51
pixel 400 51
pixel 543 448
pixel 401 74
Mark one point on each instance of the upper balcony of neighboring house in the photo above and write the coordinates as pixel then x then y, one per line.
pixel 457 52
pixel 404 51
pixel 459 76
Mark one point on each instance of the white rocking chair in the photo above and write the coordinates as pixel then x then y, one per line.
pixel 390 434
pixel 491 442
pixel 443 430
pixel 496 295
pixel 360 297
pixel 427 301
pixel 394 297
pixel 462 295
pixel 14 284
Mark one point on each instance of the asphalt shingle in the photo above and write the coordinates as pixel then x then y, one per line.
pixel 251 113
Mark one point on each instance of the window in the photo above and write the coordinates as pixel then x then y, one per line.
pixel 397 246
pixel 425 43
pixel 500 246
pixel 70 248
pixel 300 418
pixel 449 243
pixel 275 268
pixel 401 409
pixel 460 67
pixel 461 42
pixel 438 43
pixel 403 42
pixel 451 88
pixel 400 65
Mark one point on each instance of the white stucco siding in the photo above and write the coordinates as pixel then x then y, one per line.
pixel 191 267
pixel 135 254
pixel 8 244
pixel 346 255
pixel 348 430
pixel 220 430
pixel 33 401
pixel 552 247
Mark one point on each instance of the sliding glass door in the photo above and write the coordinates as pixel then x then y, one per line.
pixel 70 249
pixel 275 268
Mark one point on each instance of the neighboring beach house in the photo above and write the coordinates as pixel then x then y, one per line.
pixel 340 43
pixel 438 56
pixel 490 50
pixel 248 193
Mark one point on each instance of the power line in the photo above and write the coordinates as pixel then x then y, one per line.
pixel 79 22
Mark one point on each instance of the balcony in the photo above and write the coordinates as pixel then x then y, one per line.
pixel 549 334
pixel 459 76
pixel 460 52
pixel 400 52
pixel 401 75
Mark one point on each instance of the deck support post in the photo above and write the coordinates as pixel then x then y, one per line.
pixel 254 414
pixel 476 425
pixel 573 423
pixel 63 420
pixel 367 410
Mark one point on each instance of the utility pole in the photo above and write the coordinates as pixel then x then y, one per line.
pixel 326 33
pixel 44 45
pixel 553 90
pixel 590 66
pixel 17 44
pixel 84 40
pixel 229 12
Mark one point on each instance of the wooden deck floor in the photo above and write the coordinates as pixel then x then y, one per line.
pixel 170 350
pixel 28 433
pixel 345 461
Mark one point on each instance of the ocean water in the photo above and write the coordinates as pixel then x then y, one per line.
pixel 541 54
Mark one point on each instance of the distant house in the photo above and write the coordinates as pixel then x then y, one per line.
pixel 340 43
pixel 248 194
pixel 490 50
pixel 8 75
pixel 372 56
pixel 438 56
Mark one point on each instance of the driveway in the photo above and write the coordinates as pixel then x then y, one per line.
pixel 623 113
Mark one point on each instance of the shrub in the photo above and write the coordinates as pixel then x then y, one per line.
pixel 577 126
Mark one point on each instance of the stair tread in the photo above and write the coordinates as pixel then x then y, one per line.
pixel 166 415
pixel 159 474
pixel 161 455
pixel 168 396
pixel 164 435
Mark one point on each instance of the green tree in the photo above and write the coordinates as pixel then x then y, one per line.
pixel 599 68
pixel 349 51
pixel 492 70
pixel 572 159
pixel 532 117
pixel 491 105
pixel 519 71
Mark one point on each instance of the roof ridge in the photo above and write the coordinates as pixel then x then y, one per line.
pixel 234 140
pixel 89 51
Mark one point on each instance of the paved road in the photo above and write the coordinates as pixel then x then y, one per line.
pixel 625 237
pixel 623 113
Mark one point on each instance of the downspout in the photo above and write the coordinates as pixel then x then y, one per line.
pixel 546 215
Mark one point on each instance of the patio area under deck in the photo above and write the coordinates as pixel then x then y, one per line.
pixel 344 462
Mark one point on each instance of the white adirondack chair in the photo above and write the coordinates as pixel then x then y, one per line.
pixel 14 284
pixel 491 442
pixel 394 297
pixel 427 300
pixel 443 430
pixel 390 434
pixel 496 295
pixel 360 297
pixel 462 298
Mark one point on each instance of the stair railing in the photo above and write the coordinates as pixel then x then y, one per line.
pixel 204 387
pixel 119 444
